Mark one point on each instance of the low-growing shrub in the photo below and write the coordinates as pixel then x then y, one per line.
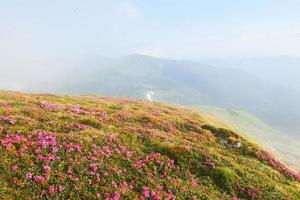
pixel 224 177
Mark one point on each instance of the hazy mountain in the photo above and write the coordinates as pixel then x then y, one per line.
pixel 282 70
pixel 217 83
pixel 283 74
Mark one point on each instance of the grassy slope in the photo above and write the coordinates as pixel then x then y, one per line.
pixel 91 147
pixel 249 126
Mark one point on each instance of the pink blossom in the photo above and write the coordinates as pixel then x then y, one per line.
pixel 76 109
pixel 14 167
pixel 10 139
pixel 15 179
pixel 37 150
pixel 77 147
pixel 82 126
pixel 159 187
pixel 93 167
pixel 124 184
pixel 116 196
pixel 276 164
pixel 28 176
pixel 114 184
pixel 38 179
pixel 46 140
pixel 43 192
pixel 209 163
pixel 155 196
pixel 146 191
pixel 69 171
pixel 47 168
pixel 54 149
pixel 193 183
pixel 7 120
pixel 60 188
pixel 50 107
pixel 51 190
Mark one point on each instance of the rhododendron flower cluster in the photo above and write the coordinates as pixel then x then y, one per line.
pixel 44 150
pixel 278 165
pixel 76 109
pixel 103 148
pixel 7 120
pixel 50 106
pixel 209 163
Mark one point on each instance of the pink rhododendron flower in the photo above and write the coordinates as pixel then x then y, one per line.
pixel 39 178
pixel 124 184
pixel 37 150
pixel 276 164
pixel 28 176
pixel 60 188
pixel 146 191
pixel 43 192
pixel 54 149
pixel 14 167
pixel 159 187
pixel 51 190
pixel 47 168
pixel 76 109
pixel 209 163
pixel 7 120
pixel 50 107
pixel 69 171
pixel 114 184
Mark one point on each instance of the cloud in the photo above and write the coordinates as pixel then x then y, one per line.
pixel 130 10
pixel 234 44
pixel 75 29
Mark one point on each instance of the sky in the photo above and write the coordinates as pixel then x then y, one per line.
pixel 39 32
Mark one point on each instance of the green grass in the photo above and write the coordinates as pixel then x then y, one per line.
pixel 285 148
pixel 63 147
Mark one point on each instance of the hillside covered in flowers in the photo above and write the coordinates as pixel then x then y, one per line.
pixel 59 147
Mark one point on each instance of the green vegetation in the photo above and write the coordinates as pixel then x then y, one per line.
pixel 62 147
pixel 253 129
pixel 225 178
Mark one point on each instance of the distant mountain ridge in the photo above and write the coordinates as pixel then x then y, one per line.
pixel 193 83
pixel 184 82
pixel 282 72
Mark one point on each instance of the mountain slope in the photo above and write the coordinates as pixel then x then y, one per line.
pixel 62 147
pixel 254 129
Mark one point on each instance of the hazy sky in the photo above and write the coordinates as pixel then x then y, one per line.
pixel 35 30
